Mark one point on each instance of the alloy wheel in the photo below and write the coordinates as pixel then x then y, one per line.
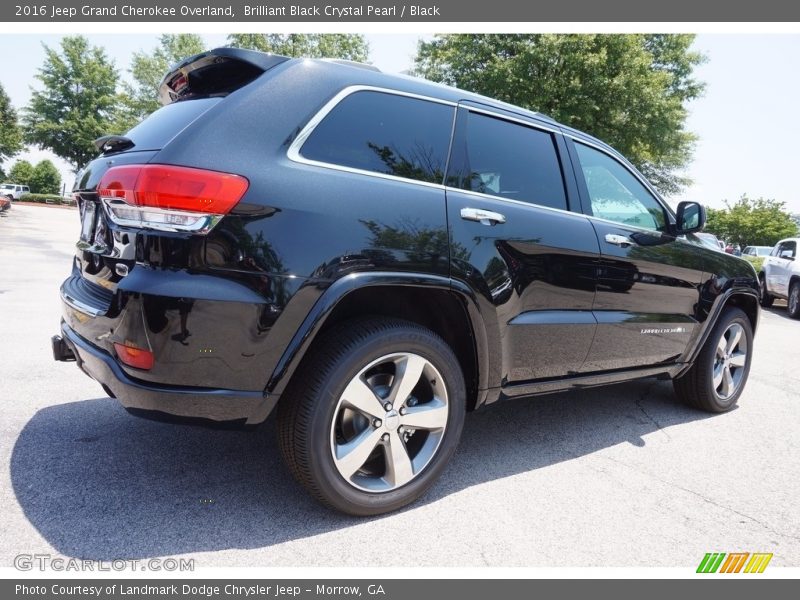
pixel 730 361
pixel 389 422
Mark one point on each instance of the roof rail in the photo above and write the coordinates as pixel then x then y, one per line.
pixel 352 63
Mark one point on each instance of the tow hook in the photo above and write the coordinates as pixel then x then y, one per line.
pixel 61 352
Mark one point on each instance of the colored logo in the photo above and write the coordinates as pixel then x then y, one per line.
pixel 734 562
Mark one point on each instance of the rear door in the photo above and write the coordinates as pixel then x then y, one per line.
pixel 648 279
pixel 514 239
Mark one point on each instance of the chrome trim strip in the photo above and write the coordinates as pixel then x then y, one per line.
pixel 293 153
pixel 80 306
pixel 204 222
pixel 521 121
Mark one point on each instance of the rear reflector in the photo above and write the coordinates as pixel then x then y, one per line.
pixel 173 188
pixel 134 357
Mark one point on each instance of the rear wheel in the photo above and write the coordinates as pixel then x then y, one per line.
pixel 766 298
pixel 373 416
pixel 793 303
pixel 718 376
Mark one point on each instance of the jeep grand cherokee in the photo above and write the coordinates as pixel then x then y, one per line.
pixel 373 256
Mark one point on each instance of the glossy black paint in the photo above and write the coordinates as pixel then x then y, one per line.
pixel 548 305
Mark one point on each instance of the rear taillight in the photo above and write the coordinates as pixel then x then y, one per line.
pixel 169 198
pixel 134 357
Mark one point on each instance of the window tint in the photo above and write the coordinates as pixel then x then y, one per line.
pixel 508 160
pixel 615 193
pixel 385 133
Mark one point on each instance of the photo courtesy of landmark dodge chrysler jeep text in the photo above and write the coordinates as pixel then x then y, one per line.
pixel 373 256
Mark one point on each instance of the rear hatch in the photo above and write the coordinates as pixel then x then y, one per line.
pixel 113 227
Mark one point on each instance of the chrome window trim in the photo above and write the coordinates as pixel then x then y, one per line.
pixel 293 153
pixel 527 123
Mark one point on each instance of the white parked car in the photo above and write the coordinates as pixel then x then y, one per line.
pixel 14 190
pixel 756 251
pixel 780 276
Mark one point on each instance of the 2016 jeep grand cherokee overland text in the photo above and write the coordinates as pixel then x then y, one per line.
pixel 374 256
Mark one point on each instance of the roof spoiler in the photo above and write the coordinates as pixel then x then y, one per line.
pixel 216 72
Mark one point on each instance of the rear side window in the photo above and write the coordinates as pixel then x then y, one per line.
pixel 506 159
pixel 384 133
pixel 159 128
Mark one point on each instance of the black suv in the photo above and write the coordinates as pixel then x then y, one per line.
pixel 373 256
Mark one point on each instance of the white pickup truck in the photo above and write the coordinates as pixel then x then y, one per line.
pixel 14 190
pixel 780 276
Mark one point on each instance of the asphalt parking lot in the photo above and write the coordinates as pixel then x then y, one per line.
pixel 620 476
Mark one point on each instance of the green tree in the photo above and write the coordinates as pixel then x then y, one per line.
pixel 751 222
pixel 140 98
pixel 628 90
pixel 45 178
pixel 348 46
pixel 21 172
pixel 10 132
pixel 77 103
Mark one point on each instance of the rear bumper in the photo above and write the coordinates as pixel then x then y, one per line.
pixel 164 402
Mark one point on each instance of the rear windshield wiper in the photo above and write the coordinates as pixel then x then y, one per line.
pixel 113 143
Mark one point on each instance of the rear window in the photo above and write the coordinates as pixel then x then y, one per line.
pixel 159 128
pixel 385 133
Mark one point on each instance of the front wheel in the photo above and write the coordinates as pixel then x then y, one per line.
pixel 373 415
pixel 766 298
pixel 717 378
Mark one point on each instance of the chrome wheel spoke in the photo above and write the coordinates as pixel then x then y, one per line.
pixel 399 469
pixel 363 398
pixel 431 415
pixel 409 370
pixel 727 382
pixel 734 335
pixel 350 457
pixel 739 359
pixel 718 375
pixel 721 346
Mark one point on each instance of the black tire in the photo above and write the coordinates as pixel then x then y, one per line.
pixel 310 412
pixel 766 298
pixel 697 387
pixel 793 301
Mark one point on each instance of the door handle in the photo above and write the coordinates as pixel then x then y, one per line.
pixel 622 241
pixel 484 217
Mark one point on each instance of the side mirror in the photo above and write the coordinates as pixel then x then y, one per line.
pixel 691 217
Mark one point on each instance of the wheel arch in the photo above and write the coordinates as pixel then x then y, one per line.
pixel 745 298
pixel 438 303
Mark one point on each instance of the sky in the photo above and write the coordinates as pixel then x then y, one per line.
pixel 746 121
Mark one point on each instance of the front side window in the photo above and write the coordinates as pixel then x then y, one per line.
pixel 616 194
pixel 506 159
pixel 790 247
pixel 384 133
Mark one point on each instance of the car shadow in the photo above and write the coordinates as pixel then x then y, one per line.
pixel 100 484
pixel 780 309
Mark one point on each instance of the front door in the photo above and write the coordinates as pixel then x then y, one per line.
pixel 648 279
